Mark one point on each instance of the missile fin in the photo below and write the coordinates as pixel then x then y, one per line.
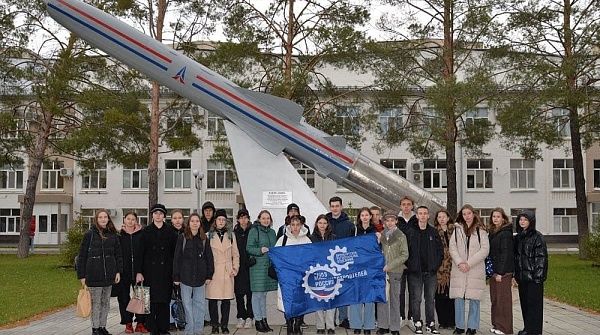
pixel 338 141
pixel 290 109
pixel 268 143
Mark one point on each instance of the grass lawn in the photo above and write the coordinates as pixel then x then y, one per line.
pixel 34 285
pixel 573 281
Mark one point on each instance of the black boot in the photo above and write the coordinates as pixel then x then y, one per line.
pixel 103 331
pixel 297 326
pixel 290 326
pixel 260 327
pixel 95 331
pixel 267 327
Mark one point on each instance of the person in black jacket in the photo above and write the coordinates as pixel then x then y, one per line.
pixel 324 232
pixel 129 237
pixel 425 255
pixel 503 260
pixel 531 270
pixel 99 266
pixel 406 219
pixel 177 225
pixel 292 210
pixel 154 267
pixel 193 267
pixel 241 286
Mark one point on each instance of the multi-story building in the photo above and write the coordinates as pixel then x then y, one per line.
pixel 500 179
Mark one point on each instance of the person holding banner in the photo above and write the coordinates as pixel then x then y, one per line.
pixel 395 250
pixel 295 233
pixel 260 238
pixel 362 316
pixel 324 232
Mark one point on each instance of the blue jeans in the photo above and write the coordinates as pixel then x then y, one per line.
pixel 259 305
pixel 422 284
pixel 194 304
pixel 473 319
pixel 362 316
pixel 342 313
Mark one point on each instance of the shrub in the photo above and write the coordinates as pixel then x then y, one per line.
pixel 71 247
pixel 592 244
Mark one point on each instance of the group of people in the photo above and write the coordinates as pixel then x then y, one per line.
pixel 211 264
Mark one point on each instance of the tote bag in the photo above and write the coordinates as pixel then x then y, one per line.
pixel 84 302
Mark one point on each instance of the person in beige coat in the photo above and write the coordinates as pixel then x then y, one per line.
pixel 469 246
pixel 227 264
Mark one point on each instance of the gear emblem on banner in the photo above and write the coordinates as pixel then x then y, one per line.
pixel 322 282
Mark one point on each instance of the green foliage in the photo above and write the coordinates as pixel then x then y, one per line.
pixel 592 244
pixel 70 248
pixel 34 285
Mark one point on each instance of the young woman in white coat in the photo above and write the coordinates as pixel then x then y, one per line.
pixel 295 233
pixel 469 246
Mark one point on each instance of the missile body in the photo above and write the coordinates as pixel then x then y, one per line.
pixel 275 123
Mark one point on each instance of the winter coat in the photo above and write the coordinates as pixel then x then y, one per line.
pixel 242 280
pixel 404 225
pixel 258 237
pixel 469 285
pixel 99 259
pixel 435 248
pixel 502 250
pixel 130 243
pixel 302 238
pixel 342 227
pixel 531 255
pixel 155 261
pixel 395 250
pixel 193 263
pixel 226 259
pixel 443 273
pixel 317 237
pixel 359 230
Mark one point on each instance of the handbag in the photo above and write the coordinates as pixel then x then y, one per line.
pixel 177 310
pixel 489 267
pixel 140 302
pixel 84 302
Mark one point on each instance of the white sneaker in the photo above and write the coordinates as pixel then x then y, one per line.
pixel 430 328
pixel 240 323
pixel 248 324
pixel 401 322
pixel 418 327
pixel 411 325
pixel 496 331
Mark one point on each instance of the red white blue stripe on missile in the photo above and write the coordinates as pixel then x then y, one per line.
pixel 162 58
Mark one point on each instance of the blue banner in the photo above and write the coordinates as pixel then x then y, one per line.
pixel 325 275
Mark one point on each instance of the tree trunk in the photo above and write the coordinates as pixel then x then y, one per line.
pixel 452 190
pixel 583 229
pixel 154 139
pixel 36 158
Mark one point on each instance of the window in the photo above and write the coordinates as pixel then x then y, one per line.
pixel 390 119
pixel 142 214
pixel 219 177
pixel 477 116
pixel 595 213
pixel 11 177
pixel 347 119
pixel 563 175
pixel 179 121
pixel 95 179
pixel 88 215
pixel 135 177
pixel 10 221
pixel 397 166
pixel 178 174
pixel 565 220
pixel 15 130
pixel 305 172
pixel 522 174
pixel 516 211
pixel 434 174
pixel 484 214
pixel 51 178
pixel 561 120
pixel 597 174
pixel 479 174
pixel 214 125
pixel 429 121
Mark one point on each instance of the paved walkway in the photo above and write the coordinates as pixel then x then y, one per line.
pixel 559 319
